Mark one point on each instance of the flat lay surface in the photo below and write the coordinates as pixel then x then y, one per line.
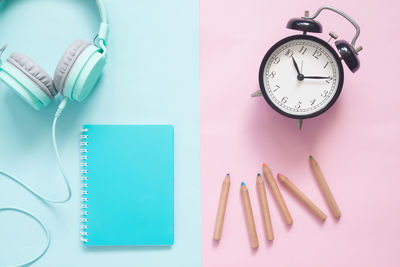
pixel 193 64
pixel 355 142
pixel 151 77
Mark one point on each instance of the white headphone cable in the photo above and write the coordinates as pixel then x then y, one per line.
pixel 57 115
pixel 42 225
pixel 61 107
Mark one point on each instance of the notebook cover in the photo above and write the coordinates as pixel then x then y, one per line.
pixel 127 184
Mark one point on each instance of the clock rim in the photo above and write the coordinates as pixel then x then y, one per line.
pixel 301 37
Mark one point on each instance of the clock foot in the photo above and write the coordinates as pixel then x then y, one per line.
pixel 299 124
pixel 256 93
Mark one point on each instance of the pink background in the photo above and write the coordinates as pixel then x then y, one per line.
pixel 356 142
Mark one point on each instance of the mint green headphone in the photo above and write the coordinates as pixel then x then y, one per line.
pixel 75 76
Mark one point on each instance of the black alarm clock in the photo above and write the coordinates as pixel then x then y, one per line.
pixel 301 76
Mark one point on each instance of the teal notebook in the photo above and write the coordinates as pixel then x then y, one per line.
pixel 127 185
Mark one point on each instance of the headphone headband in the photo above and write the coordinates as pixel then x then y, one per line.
pixel 101 37
pixel 103 30
pixel 102 11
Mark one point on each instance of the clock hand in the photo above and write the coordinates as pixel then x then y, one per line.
pixel 316 77
pixel 296 67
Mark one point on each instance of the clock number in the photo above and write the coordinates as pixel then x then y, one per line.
pixel 284 99
pixel 325 93
pixel 289 53
pixel 326 65
pixel 276 60
pixel 317 54
pixel 298 105
pixel 276 88
pixel 329 80
pixel 313 101
pixel 272 74
pixel 303 50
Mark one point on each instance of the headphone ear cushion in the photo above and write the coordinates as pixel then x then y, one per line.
pixel 28 79
pixel 34 72
pixel 66 62
pixel 348 54
pixel 84 73
pixel 79 70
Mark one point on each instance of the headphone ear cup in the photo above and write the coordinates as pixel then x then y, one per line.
pixel 78 70
pixel 66 62
pixel 348 54
pixel 28 80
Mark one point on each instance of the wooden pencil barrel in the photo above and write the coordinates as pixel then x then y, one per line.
pixel 262 196
pixel 326 191
pixel 277 194
pixel 222 208
pixel 251 226
pixel 302 197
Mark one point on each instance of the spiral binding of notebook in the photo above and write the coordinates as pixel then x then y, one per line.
pixel 84 185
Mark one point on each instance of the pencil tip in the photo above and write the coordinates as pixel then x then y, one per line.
pixel 281 177
pixel 227 179
pixel 310 157
pixel 264 165
pixel 258 174
pixel 243 184
pixel 228 174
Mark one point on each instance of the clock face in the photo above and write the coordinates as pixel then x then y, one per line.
pixel 301 76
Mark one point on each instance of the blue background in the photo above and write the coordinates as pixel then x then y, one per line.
pixel 151 77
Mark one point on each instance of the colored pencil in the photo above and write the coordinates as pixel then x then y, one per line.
pixel 326 191
pixel 219 223
pixel 251 226
pixel 262 196
pixel 302 197
pixel 277 194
